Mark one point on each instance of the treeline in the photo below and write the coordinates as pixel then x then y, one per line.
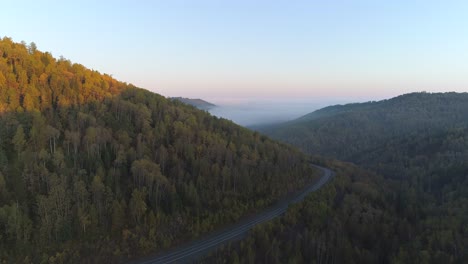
pixel 34 80
pixel 94 170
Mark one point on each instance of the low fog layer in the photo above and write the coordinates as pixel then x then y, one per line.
pixel 261 112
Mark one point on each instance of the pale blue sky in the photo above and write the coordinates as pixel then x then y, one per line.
pixel 241 49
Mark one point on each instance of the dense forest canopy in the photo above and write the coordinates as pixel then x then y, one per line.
pixel 359 218
pixel 419 144
pixel 35 80
pixel 93 170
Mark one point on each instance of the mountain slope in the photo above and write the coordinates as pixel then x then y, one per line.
pixel 418 143
pixel 345 131
pixel 96 170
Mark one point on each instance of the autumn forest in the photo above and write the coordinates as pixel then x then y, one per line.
pixel 92 168
pixel 95 170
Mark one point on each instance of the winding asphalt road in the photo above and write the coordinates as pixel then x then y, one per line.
pixel 198 248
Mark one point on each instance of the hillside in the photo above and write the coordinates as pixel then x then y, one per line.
pixel 198 103
pixel 365 126
pixel 415 198
pixel 96 170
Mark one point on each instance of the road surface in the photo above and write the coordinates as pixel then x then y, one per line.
pixel 202 246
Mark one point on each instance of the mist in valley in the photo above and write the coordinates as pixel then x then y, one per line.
pixel 253 112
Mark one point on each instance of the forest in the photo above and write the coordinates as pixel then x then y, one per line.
pixel 97 170
pixel 407 202
pixel 359 218
pixel 369 125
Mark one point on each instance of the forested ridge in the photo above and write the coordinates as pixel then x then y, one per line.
pixel 198 103
pixel 408 201
pixel 363 127
pixel 96 170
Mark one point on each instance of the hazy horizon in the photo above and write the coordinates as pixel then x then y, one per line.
pixel 264 111
pixel 251 113
pixel 242 49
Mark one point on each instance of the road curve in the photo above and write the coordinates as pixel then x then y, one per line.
pixel 199 247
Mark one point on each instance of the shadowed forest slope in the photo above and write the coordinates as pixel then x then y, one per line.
pixel 419 144
pixel 344 131
pixel 360 217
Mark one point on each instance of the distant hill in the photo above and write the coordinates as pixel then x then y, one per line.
pixel 198 103
pixel 345 131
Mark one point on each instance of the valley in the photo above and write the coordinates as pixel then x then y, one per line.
pixel 290 165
